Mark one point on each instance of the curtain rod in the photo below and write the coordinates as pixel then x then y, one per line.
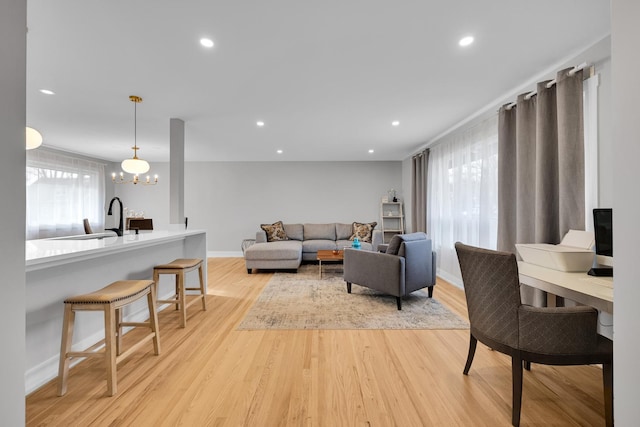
pixel 529 95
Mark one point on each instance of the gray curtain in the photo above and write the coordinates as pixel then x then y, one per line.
pixel 541 164
pixel 419 165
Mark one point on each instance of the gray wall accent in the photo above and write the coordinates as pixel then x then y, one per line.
pixel 176 187
pixel 626 205
pixel 13 46
pixel 231 199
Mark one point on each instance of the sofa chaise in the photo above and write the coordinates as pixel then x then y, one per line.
pixel 290 245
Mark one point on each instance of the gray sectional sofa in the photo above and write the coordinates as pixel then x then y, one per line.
pixel 302 244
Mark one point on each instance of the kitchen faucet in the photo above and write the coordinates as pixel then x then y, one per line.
pixel 120 230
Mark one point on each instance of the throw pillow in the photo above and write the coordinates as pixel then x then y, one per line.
pixel 275 232
pixel 362 231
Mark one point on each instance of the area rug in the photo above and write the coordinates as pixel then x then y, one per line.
pixel 304 301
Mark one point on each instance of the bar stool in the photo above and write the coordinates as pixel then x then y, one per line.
pixel 180 267
pixel 109 299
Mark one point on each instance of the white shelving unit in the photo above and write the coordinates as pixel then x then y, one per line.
pixel 391 219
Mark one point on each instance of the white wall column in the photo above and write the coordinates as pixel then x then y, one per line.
pixel 176 171
pixel 625 63
pixel 13 48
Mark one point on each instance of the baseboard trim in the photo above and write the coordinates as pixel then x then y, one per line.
pixel 224 254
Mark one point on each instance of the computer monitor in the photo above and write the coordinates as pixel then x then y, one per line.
pixel 603 227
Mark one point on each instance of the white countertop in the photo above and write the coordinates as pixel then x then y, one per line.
pixel 49 252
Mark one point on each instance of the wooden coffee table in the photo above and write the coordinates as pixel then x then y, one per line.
pixel 329 256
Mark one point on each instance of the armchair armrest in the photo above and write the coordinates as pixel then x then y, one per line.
pixel 375 270
pixel 558 330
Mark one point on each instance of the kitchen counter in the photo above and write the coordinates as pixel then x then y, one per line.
pixel 45 253
pixel 60 267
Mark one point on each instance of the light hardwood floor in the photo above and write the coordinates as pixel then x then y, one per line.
pixel 210 374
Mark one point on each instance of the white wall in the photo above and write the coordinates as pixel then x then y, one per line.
pixel 13 24
pixel 231 199
pixel 626 207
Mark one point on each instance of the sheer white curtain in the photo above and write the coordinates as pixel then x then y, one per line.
pixel 463 194
pixel 61 191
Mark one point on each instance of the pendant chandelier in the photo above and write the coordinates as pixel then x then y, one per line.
pixel 135 165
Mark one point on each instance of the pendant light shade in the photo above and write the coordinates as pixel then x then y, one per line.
pixel 34 138
pixel 135 165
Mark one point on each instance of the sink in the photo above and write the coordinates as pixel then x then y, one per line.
pixel 94 236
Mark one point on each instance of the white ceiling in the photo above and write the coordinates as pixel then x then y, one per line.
pixel 327 77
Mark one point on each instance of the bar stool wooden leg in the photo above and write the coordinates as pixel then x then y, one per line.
pixel 153 319
pixel 119 330
pixel 110 349
pixel 202 290
pixel 182 299
pixel 65 347
pixel 177 296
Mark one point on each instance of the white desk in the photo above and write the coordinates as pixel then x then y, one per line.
pixel 596 292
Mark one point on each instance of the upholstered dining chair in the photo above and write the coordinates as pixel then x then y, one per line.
pixel 549 335
pixel 407 265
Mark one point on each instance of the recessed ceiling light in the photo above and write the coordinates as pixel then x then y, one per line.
pixel 279 151
pixel 466 41
pixel 47 92
pixel 371 151
pixel 206 42
pixel 395 123
pixel 260 123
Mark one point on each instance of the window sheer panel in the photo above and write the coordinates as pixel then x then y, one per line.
pixel 463 194
pixel 61 192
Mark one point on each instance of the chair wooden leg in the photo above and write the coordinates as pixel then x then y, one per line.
pixel 110 348
pixel 516 378
pixel 202 290
pixel 473 343
pixel 430 289
pixel 527 365
pixel 399 303
pixel 65 347
pixel 348 287
pixel 607 380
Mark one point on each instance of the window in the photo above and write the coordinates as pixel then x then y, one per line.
pixel 61 191
pixel 463 194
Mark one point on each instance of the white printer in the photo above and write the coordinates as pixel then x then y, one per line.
pixel 574 254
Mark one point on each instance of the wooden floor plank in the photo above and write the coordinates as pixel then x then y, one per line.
pixel 212 374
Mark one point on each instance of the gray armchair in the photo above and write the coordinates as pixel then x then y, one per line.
pixel 407 265
pixel 551 336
